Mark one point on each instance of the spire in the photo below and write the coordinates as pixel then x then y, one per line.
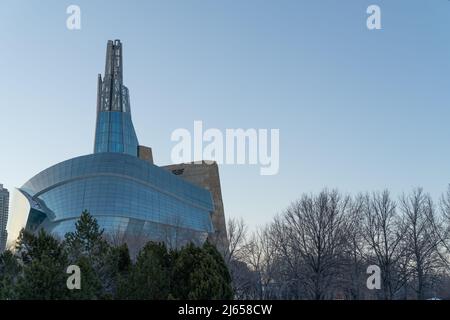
pixel 114 131
pixel 113 65
pixel 99 91
pixel 114 95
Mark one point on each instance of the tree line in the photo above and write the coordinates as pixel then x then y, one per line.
pixel 321 246
pixel 37 268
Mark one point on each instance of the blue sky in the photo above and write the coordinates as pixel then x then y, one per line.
pixel 358 110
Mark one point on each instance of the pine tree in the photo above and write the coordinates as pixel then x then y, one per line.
pixel 150 277
pixel 44 271
pixel 38 268
pixel 120 264
pixel 200 273
pixel 91 286
pixel 87 248
pixel 87 239
pixel 220 267
pixel 9 273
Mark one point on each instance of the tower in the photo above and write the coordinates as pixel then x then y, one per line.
pixel 114 129
pixel 119 184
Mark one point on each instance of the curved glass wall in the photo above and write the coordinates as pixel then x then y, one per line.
pixel 124 193
pixel 115 133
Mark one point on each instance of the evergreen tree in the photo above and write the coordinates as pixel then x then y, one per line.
pixel 87 239
pixel 120 263
pixel 91 286
pixel 122 258
pixel 87 248
pixel 200 273
pixel 222 268
pixel 38 268
pixel 149 279
pixel 9 273
pixel 44 271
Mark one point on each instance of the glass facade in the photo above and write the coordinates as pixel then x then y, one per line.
pixel 115 133
pixel 125 194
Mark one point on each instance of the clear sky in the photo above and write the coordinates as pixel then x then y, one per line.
pixel 358 110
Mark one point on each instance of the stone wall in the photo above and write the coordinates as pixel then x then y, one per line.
pixel 207 176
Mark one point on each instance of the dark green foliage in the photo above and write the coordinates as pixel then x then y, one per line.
pixel 9 273
pixel 120 265
pixel 222 269
pixel 101 264
pixel 200 273
pixel 87 240
pixel 150 277
pixel 91 287
pixel 45 263
pixel 189 273
pixel 121 257
pixel 38 269
pixel 87 248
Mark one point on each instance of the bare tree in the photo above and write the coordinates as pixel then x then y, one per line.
pixel 354 276
pixel 384 242
pixel 237 236
pixel 321 245
pixel 287 263
pixel 444 226
pixel 422 239
pixel 261 257
pixel 243 278
pixel 317 228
